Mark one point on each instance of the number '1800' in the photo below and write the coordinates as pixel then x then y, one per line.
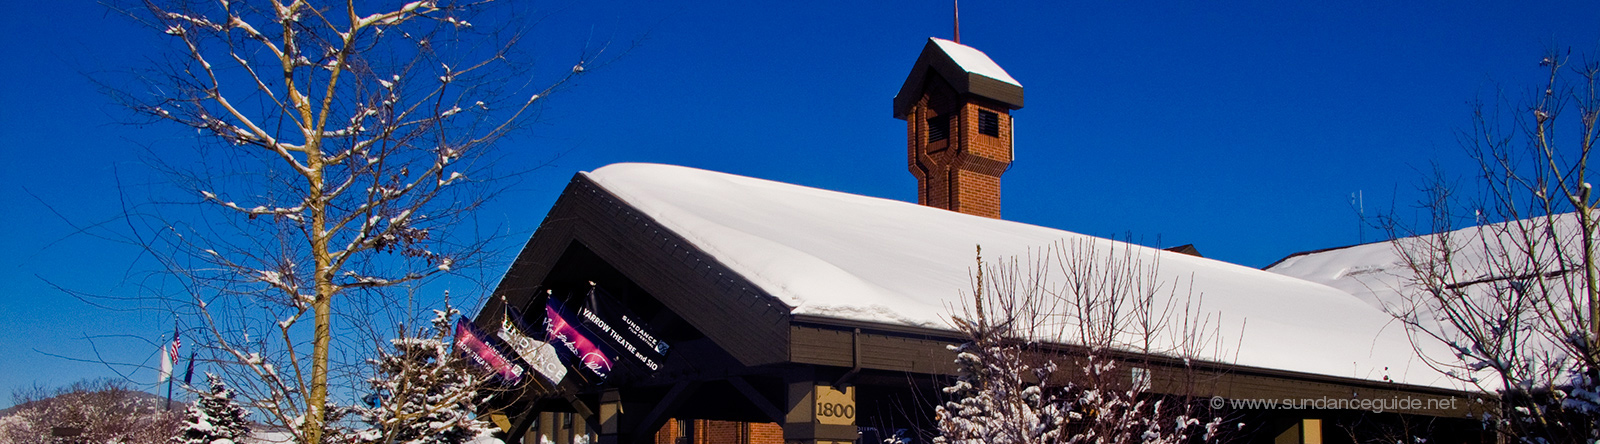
pixel 836 410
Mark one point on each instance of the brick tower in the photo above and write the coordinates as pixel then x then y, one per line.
pixel 957 106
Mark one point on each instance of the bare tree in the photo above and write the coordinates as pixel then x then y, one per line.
pixel 1072 361
pixel 1506 276
pixel 344 147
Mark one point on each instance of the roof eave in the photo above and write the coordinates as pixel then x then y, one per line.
pixel 966 83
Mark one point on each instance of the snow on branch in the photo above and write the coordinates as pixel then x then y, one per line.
pixel 293 213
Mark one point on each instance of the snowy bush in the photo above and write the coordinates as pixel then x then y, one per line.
pixel 213 418
pixel 427 395
pixel 993 402
pixel 1034 368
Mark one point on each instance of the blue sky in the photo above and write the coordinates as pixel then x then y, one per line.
pixel 1241 127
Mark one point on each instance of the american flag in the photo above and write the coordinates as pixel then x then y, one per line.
pixel 169 354
pixel 176 342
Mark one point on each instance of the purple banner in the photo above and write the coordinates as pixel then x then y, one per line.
pixel 538 356
pixel 472 342
pixel 578 347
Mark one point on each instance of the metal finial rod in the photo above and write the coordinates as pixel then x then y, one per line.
pixel 958 21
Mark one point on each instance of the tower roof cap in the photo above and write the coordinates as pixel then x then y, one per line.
pixel 967 69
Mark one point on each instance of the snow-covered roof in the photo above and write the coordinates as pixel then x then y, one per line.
pixel 845 256
pixel 974 61
pixel 1371 272
pixel 1376 273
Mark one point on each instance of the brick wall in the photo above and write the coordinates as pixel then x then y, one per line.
pixel 721 432
pixel 669 432
pixel 766 433
pixel 961 173
pixel 976 193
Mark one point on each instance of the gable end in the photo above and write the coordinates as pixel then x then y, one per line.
pixel 738 316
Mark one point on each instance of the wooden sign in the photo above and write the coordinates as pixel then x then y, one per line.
pixel 835 407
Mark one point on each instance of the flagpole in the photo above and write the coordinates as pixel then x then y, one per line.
pixel 169 393
pixel 169 374
pixel 190 372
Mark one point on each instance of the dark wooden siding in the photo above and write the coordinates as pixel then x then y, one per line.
pixel 927 353
pixel 982 86
pixel 879 350
pixel 746 322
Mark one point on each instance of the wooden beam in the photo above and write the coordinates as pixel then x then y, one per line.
pixel 579 406
pixel 761 402
pixel 520 425
pixel 658 416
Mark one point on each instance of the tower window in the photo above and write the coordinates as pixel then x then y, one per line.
pixel 938 128
pixel 988 123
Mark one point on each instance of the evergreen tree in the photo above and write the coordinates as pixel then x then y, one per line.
pixel 428 395
pixel 214 418
pixel 992 403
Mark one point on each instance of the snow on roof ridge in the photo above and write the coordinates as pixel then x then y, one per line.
pixel 974 61
pixel 839 255
pixel 1376 274
pixel 615 169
